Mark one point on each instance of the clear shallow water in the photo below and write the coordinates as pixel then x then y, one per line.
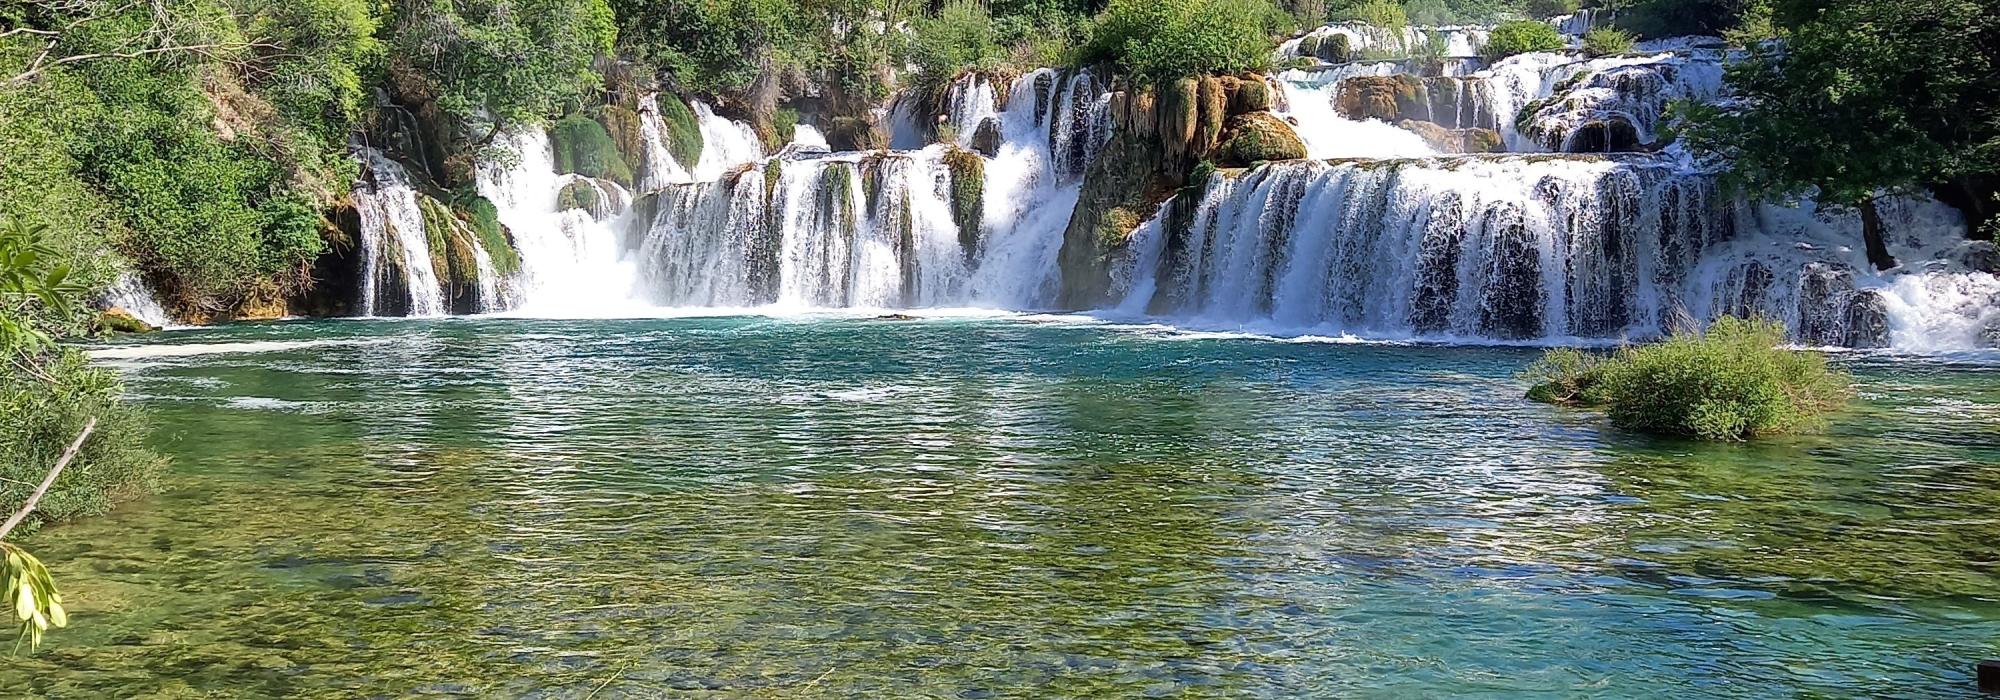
pixel 758 507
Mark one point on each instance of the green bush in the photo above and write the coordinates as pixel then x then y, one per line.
pixel 1386 14
pixel 1730 382
pixel 1159 41
pixel 1605 41
pixel 1544 9
pixel 1519 37
pixel 960 38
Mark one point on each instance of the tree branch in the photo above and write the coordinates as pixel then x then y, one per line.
pixel 38 66
pixel 49 480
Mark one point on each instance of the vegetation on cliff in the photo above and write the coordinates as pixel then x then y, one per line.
pixel 1862 99
pixel 1734 380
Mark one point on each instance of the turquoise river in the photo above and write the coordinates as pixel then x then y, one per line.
pixel 1002 506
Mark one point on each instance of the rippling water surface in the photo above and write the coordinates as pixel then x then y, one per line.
pixel 841 507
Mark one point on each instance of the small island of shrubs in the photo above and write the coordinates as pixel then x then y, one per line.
pixel 1733 381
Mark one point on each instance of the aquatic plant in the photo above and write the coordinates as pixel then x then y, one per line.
pixel 1734 380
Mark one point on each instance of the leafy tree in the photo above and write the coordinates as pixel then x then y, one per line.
pixel 1654 19
pixel 1543 9
pixel 515 60
pixel 1161 40
pixel 1519 37
pixel 959 38
pixel 1865 98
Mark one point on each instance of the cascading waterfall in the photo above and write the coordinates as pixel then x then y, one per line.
pixel 572 262
pixel 877 230
pixel 1459 41
pixel 397 278
pixel 1527 248
pixel 129 292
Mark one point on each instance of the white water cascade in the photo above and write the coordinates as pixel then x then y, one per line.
pixel 572 262
pixel 1535 248
pixel 129 292
pixel 877 230
pixel 397 277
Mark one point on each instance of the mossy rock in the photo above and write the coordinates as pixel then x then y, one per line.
pixel 855 134
pixel 774 173
pixel 626 131
pixel 117 320
pixel 1258 137
pixel 1179 112
pixel 968 196
pixel 1214 106
pixel 1387 98
pixel 578 194
pixel 582 146
pixel 1454 140
pixel 484 218
pixel 986 137
pixel 684 140
pixel 1251 96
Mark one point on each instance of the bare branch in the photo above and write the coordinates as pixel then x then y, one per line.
pixel 49 480
pixel 38 66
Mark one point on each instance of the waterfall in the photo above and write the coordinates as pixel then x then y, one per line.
pixel 1308 100
pixel 1532 248
pixel 129 292
pixel 572 262
pixel 1460 41
pixel 397 278
pixel 657 167
pixel 877 230
pixel 726 144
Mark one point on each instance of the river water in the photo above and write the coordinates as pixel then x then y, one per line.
pixel 1000 506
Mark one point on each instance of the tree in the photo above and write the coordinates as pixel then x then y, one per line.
pixel 1865 99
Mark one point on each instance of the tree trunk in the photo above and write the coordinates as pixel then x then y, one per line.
pixel 1871 234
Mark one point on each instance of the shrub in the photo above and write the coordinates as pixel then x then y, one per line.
pixel 960 38
pixel 785 123
pixel 1519 37
pixel 1543 9
pixel 1159 41
pixel 1605 41
pixel 1730 382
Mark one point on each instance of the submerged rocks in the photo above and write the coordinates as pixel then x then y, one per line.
pixel 1454 140
pixel 1257 137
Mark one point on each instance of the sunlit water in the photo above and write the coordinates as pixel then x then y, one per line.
pixel 844 507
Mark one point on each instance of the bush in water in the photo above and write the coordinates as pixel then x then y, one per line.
pixel 1730 382
pixel 1607 42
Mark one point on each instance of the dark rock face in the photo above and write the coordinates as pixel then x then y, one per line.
pixel 986 137
pixel 855 134
pixel 1867 321
pixel 1613 135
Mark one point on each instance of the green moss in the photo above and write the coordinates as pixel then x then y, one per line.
pixel 121 321
pixel 968 195
pixel 578 194
pixel 626 132
pixel 582 146
pixel 1258 137
pixel 1252 96
pixel 451 244
pixel 484 219
pixel 683 131
pixel 774 172
pixel 785 123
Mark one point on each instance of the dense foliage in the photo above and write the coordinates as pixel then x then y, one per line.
pixel 1863 98
pixel 1157 41
pixel 1732 381
pixel 1519 37
pixel 1606 41
pixel 48 394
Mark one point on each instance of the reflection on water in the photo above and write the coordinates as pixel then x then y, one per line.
pixel 753 507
